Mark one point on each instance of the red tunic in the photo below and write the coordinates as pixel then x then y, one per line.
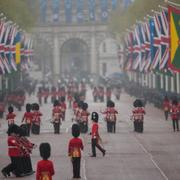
pixel 10 118
pixel 84 116
pixel 36 117
pixel 13 147
pixel 94 131
pixel 138 114
pixel 75 147
pixel 56 113
pixel 28 116
pixel 45 170
pixel 175 112
pixel 166 105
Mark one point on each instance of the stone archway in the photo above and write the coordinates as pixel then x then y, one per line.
pixel 74 56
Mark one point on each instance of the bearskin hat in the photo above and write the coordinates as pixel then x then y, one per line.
pixel 13 129
pixel 95 116
pixel 138 103
pixel 36 107
pixel 62 99
pixel 84 106
pixel 28 107
pixel 75 130
pixel 45 150
pixel 175 102
pixel 10 109
pixel 56 103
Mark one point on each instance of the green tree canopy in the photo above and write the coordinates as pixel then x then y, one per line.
pixel 23 12
pixel 124 19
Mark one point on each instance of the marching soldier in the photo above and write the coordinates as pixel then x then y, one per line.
pixel 27 118
pixel 10 117
pixel 138 115
pixel 166 107
pixel 84 118
pixel 36 120
pixel 175 115
pixel 63 107
pixel 74 150
pixel 56 115
pixel 95 135
pixel 112 117
pixel 45 167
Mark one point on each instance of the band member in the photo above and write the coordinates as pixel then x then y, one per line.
pixel 56 115
pixel 14 152
pixel 138 115
pixel 95 135
pixel 166 107
pixel 175 115
pixel 36 120
pixel 84 118
pixel 27 118
pixel 63 107
pixel 10 117
pixel 45 167
pixel 74 150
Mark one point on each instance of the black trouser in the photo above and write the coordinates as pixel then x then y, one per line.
pixel 166 114
pixel 35 129
pixel 26 165
pixel 14 166
pixel 94 144
pixel 28 129
pixel 56 128
pixel 140 126
pixel 109 126
pixel 76 162
pixel 113 124
pixel 175 124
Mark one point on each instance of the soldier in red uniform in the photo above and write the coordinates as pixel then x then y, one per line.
pixel 36 120
pixel 138 115
pixel 95 135
pixel 112 117
pixel 10 117
pixel 166 107
pixel 63 107
pixel 14 152
pixel 74 150
pixel 84 118
pixel 45 167
pixel 175 113
pixel 56 115
pixel 27 118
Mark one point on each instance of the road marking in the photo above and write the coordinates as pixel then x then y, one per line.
pixel 151 157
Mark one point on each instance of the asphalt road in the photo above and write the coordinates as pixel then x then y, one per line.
pixel 153 155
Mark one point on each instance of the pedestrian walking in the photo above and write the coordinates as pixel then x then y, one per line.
pixel 74 150
pixel 95 137
pixel 45 167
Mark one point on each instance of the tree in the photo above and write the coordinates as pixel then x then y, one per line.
pixel 125 19
pixel 23 12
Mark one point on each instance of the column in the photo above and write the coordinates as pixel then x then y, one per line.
pixel 178 82
pixel 172 84
pixel 154 80
pixel 94 62
pixel 56 62
pixel 162 81
pixel 166 83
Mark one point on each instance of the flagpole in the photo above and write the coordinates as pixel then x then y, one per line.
pixel 162 7
pixel 172 3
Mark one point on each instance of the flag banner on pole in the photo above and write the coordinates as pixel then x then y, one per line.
pixel 18 53
pixel 174 30
pixel 43 9
pixel 92 9
pixel 104 10
pixel 68 11
pixel 80 7
pixel 164 40
pixel 55 10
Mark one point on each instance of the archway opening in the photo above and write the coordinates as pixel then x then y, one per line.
pixel 75 57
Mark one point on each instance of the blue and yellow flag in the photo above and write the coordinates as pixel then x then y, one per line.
pixel 18 48
pixel 174 29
